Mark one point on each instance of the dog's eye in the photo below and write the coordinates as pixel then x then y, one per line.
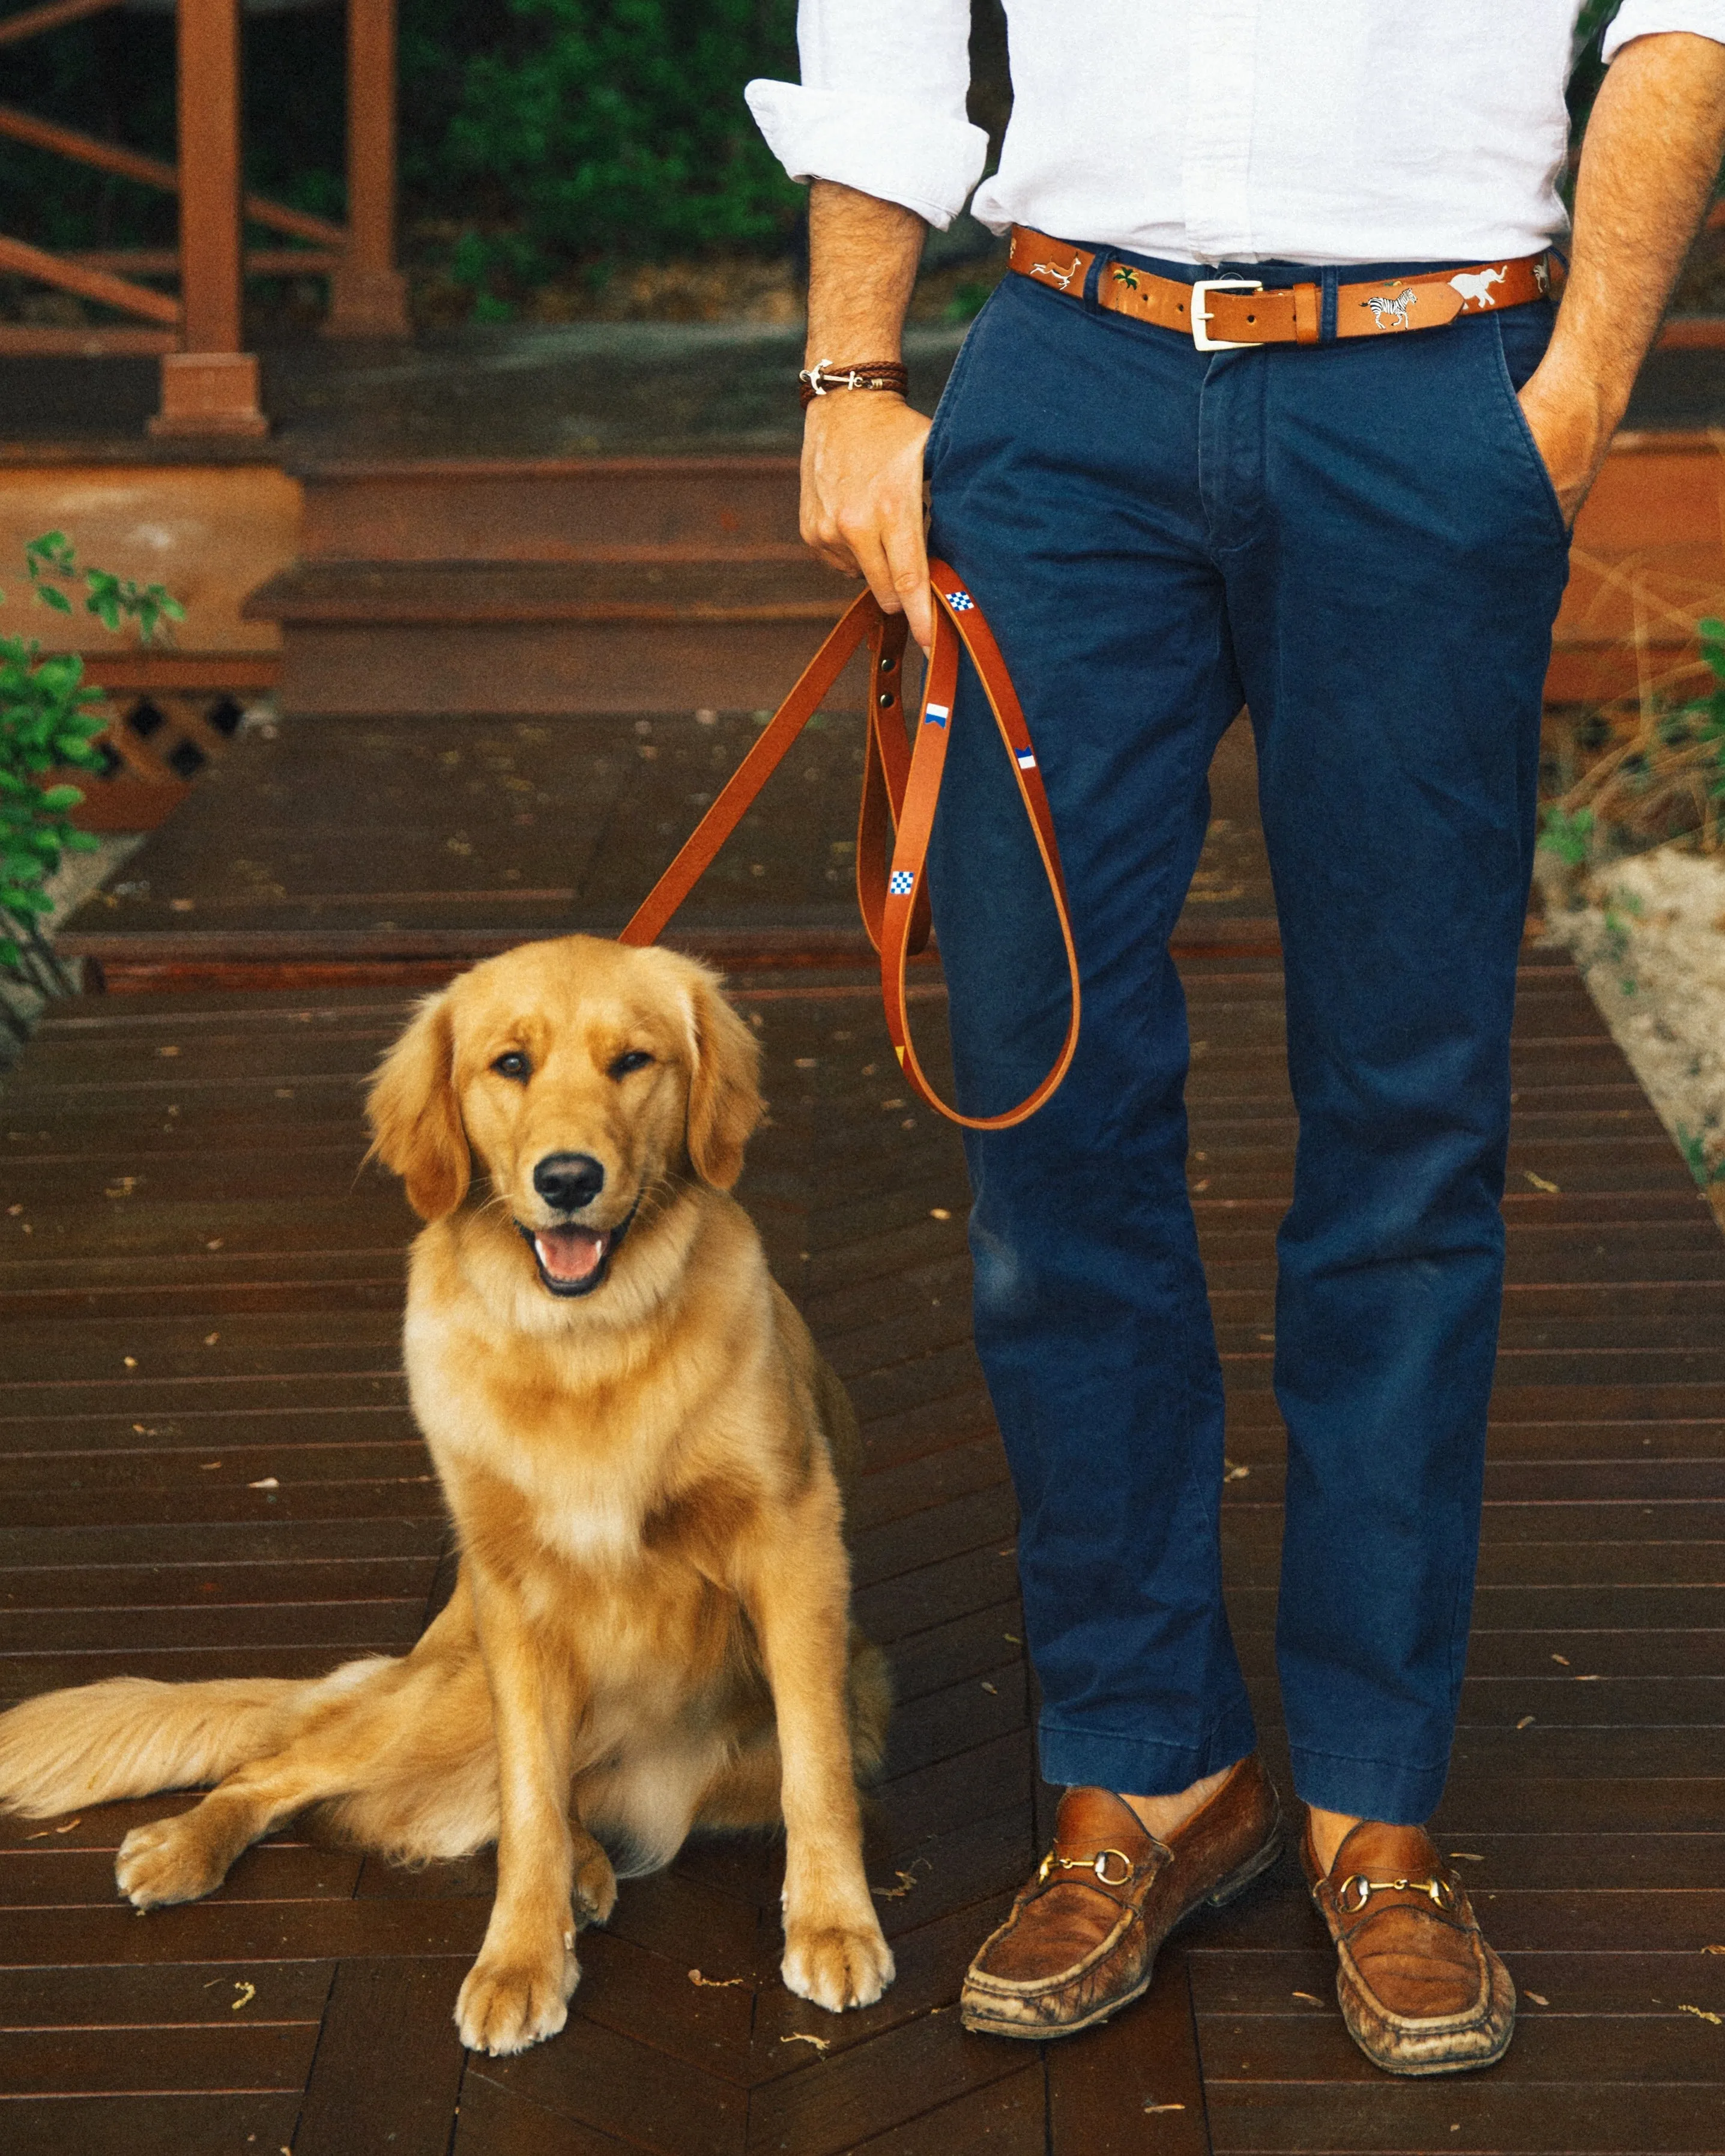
pixel 513 1065
pixel 632 1059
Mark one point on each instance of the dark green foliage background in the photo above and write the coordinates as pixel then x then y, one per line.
pixel 554 131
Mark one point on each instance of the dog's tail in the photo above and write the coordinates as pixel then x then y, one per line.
pixel 130 1736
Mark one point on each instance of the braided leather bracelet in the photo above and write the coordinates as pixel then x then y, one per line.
pixel 821 379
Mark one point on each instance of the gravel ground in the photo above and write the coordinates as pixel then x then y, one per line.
pixel 1649 935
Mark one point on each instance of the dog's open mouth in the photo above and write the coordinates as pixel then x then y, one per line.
pixel 574 1261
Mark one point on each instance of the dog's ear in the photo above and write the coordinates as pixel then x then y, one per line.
pixel 415 1117
pixel 725 1101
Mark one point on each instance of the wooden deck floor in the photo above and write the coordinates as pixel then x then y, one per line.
pixel 207 1467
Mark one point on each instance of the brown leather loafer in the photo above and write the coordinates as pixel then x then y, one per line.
pixel 1082 1937
pixel 1420 1991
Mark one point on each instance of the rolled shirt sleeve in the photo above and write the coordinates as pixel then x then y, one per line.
pixel 1647 19
pixel 880 106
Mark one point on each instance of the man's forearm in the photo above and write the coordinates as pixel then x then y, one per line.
pixel 862 449
pixel 1648 167
pixel 862 268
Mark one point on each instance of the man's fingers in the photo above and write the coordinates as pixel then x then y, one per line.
pixel 871 559
pixel 907 567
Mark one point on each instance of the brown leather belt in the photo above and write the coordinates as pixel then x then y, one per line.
pixel 1218 313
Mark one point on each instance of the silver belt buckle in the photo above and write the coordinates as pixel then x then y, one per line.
pixel 1201 314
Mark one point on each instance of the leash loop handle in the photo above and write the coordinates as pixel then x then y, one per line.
pixel 959 620
pixel 902 784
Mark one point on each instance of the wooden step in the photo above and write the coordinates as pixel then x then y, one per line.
pixel 531 638
pixel 550 509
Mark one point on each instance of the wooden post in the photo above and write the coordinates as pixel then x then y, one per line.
pixel 210 388
pixel 369 295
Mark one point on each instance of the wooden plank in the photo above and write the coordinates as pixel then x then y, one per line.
pixel 202 1580
pixel 1486 2113
pixel 493 2121
pixel 957 1716
pixel 655 2002
pixel 168 2125
pixel 931 1958
pixel 241 1932
pixel 152 2063
pixel 47 1877
pixel 388 2067
pixel 593 2077
pixel 1008 2117
pixel 335 1627
pixel 1134 2086
pixel 889 2083
pixel 981 1517
pixel 191 1995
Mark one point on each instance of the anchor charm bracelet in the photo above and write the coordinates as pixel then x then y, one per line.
pixel 821 379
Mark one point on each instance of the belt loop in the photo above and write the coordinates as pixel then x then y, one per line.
pixel 1093 276
pixel 1329 279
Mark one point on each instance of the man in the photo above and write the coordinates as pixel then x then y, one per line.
pixel 1273 411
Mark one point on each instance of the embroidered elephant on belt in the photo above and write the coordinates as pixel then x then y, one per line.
pixel 1474 286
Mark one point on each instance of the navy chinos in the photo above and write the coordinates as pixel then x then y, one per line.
pixel 1358 540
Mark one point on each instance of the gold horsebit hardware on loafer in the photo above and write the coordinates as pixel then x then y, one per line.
pixel 1054 1861
pixel 1442 1893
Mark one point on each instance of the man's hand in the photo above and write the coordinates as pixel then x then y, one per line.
pixel 862 496
pixel 1649 165
pixel 862 449
pixel 1571 428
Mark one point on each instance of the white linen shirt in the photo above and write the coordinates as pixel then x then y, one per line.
pixel 1212 130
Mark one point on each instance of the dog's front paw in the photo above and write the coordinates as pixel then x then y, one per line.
pixel 510 1999
pixel 836 1965
pixel 595 1890
pixel 171 1861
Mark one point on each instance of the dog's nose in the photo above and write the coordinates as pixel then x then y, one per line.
pixel 568 1180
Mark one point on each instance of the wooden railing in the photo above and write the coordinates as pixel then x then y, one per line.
pixel 209 380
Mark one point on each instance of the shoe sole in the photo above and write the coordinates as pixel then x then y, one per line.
pixel 1442 2067
pixel 1229 1889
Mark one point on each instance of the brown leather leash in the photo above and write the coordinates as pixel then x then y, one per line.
pixel 901 785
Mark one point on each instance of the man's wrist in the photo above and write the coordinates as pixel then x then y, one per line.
pixel 1591 401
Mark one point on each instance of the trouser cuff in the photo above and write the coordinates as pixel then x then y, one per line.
pixel 1390 1790
pixel 1146 1766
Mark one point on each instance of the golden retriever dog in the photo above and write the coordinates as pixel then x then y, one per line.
pixel 642 1451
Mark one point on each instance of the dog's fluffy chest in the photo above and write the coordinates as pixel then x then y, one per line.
pixel 597 1480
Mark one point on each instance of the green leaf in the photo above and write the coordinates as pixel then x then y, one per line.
pixel 62 797
pixel 50 595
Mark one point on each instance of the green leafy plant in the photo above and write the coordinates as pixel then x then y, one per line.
pixel 1568 834
pixel 1693 1145
pixel 1622 906
pixel 49 720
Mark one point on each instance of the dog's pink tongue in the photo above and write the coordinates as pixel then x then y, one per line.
pixel 570 1254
